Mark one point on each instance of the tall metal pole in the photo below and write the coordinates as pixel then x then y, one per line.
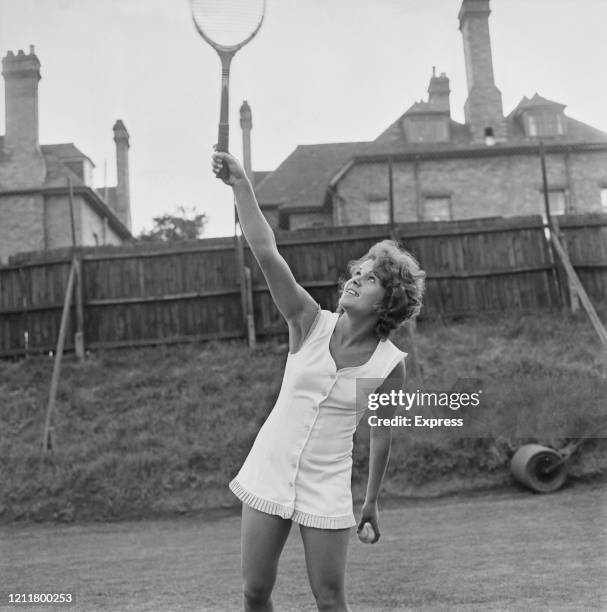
pixel 551 226
pixel 391 194
pixel 545 186
pixel 77 263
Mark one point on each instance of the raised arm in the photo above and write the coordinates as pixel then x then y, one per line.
pixel 294 303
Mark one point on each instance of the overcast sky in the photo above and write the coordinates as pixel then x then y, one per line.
pixel 318 71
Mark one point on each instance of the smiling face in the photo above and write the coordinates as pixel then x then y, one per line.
pixel 363 290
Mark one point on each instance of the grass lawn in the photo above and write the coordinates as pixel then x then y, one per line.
pixel 157 432
pixel 506 550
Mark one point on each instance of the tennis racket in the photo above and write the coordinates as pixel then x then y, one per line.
pixel 227 25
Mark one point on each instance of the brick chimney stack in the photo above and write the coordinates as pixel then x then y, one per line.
pixel 438 92
pixel 123 197
pixel 246 124
pixel 483 108
pixel 21 74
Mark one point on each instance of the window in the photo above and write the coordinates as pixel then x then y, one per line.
pixel 545 124
pixel 379 212
pixel 604 198
pixel 437 208
pixel 532 126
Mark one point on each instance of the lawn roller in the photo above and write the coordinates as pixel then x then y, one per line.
pixel 541 468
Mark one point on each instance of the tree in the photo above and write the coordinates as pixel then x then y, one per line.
pixel 183 224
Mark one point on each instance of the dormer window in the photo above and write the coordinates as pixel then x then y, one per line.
pixel 541 118
pixel 544 123
pixel 427 128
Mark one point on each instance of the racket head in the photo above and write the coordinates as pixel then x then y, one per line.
pixel 227 25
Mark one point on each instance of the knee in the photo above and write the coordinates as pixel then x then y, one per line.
pixel 330 597
pixel 256 593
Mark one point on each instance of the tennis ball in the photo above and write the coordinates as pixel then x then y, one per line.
pixel 366 534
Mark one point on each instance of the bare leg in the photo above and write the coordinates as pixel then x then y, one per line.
pixel 263 538
pixel 326 551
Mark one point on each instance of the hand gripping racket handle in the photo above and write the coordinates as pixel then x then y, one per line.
pixel 223 137
pixel 222 146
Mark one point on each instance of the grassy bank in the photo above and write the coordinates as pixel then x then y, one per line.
pixel 156 431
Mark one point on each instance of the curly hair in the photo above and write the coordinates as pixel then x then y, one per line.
pixel 403 280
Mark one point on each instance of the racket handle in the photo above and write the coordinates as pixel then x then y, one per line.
pixel 222 146
pixel 224 173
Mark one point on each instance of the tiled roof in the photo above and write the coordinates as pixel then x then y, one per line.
pixel 56 157
pixel 108 195
pixel 576 131
pixel 582 132
pixel 394 137
pixel 302 178
pixel 260 175
pixel 66 151
pixel 537 101
pixel 424 108
pixel 56 170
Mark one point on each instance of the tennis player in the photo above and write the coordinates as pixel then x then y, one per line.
pixel 299 468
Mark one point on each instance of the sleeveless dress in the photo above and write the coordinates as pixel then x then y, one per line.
pixel 300 465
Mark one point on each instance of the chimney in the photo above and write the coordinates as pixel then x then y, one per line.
pixel 21 74
pixel 246 124
pixel 483 108
pixel 123 197
pixel 438 92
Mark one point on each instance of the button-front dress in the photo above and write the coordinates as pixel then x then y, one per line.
pixel 300 465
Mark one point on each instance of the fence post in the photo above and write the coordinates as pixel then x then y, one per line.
pixel 572 294
pixel 48 441
pixel 25 305
pixel 79 333
pixel 575 281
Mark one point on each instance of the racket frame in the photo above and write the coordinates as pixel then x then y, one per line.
pixel 226 53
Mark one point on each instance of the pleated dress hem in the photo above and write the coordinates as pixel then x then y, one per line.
pixel 286 512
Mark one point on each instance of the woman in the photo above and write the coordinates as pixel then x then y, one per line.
pixel 299 467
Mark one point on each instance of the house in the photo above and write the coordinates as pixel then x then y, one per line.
pixel 34 179
pixel 426 166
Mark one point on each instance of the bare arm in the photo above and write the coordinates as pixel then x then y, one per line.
pixel 292 300
pixel 379 451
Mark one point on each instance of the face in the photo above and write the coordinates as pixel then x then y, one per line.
pixel 363 290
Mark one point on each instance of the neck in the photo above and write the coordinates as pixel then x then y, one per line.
pixel 356 330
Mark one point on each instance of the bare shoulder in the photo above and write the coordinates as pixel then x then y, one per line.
pixel 300 326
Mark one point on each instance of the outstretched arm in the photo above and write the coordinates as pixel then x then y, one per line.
pixel 379 451
pixel 292 300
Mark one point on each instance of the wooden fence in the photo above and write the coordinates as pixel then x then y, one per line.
pixel 147 294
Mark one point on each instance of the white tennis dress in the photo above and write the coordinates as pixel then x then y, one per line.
pixel 300 465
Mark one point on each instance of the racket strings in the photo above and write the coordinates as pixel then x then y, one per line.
pixel 227 22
